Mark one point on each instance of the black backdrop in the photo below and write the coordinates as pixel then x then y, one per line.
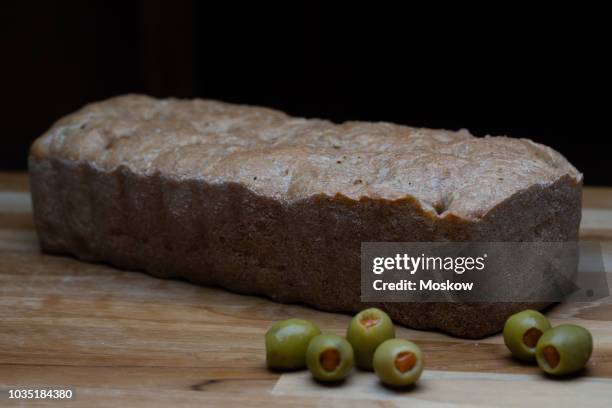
pixel 542 75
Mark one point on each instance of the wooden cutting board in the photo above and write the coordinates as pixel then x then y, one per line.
pixel 120 338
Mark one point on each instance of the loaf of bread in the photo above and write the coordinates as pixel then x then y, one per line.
pixel 258 202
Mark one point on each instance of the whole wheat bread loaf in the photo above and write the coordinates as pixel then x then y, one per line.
pixel 259 202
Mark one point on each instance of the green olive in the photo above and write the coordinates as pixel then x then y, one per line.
pixel 564 349
pixel 329 357
pixel 398 362
pixel 522 332
pixel 286 344
pixel 368 329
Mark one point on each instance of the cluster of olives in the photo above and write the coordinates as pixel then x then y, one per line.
pixel 370 344
pixel 560 350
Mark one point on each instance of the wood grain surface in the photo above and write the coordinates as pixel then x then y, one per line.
pixel 123 338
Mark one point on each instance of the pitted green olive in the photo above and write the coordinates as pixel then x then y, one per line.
pixel 329 357
pixel 564 349
pixel 286 343
pixel 398 362
pixel 522 332
pixel 367 330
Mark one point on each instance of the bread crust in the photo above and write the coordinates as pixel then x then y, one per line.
pixel 288 225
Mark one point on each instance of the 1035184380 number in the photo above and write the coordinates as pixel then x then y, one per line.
pixel 40 394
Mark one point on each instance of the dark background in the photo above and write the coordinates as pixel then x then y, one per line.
pixel 544 75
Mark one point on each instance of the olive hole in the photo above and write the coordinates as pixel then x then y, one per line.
pixel 405 361
pixel 369 321
pixel 551 355
pixel 531 337
pixel 329 359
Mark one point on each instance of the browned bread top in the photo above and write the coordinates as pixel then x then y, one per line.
pixel 290 158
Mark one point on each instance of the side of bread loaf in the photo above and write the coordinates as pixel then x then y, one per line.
pixel 260 203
